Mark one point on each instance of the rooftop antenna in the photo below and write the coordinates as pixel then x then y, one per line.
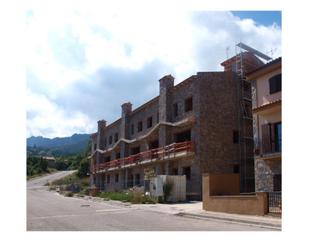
pixel 271 52
pixel 227 52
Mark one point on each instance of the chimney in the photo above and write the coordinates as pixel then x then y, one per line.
pixel 125 115
pixel 165 106
pixel 167 81
pixel 126 109
pixel 100 134
pixel 101 124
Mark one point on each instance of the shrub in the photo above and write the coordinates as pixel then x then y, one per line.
pixel 167 189
pixel 68 194
pixel 83 168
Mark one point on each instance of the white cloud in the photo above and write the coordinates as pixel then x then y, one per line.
pixel 45 118
pixel 69 44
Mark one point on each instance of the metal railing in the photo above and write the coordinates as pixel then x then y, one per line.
pixel 154 154
pixel 274 202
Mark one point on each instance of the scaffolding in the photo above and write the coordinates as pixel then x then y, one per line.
pixel 245 117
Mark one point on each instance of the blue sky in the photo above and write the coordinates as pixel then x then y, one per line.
pixel 83 64
pixel 261 17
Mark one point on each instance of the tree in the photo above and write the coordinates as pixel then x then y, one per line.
pixel 43 164
pixel 83 168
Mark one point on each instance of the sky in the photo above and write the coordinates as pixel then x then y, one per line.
pixel 85 60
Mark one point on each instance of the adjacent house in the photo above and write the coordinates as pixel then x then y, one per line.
pixel 190 128
pixel 267 126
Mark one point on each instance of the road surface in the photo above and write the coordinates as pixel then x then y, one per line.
pixel 49 211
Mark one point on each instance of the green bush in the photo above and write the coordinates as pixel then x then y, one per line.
pixel 167 189
pixel 68 194
pixel 83 168
pixel 130 196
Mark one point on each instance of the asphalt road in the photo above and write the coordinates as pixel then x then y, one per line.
pixel 49 211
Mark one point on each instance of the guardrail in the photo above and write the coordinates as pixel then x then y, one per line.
pixel 158 153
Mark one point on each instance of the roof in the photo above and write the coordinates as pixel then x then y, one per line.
pixel 270 66
pixel 190 79
pixel 265 106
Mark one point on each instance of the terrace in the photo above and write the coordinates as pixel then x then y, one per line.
pixel 169 152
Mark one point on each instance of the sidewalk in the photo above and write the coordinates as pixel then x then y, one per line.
pixel 195 210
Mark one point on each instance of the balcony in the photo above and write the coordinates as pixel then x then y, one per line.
pixel 168 152
pixel 267 151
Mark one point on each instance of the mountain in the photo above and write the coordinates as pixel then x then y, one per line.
pixel 75 144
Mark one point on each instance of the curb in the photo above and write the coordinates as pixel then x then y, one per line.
pixel 231 220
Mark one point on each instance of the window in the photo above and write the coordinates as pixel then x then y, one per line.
pixel 188 104
pixel 183 136
pixel 110 139
pixel 137 179
pixel 275 84
pixel 116 137
pixel 154 144
pixel 277 182
pixel 149 122
pixel 95 146
pixel 187 172
pixel 116 177
pixel 118 155
pixel 236 168
pixel 235 137
pixel 135 150
pixel 108 179
pixel 277 137
pixel 175 109
pixel 271 137
pixel 140 126
pixel 132 129
pixel 157 117
pixel 107 159
pixel 175 171
pixel 104 142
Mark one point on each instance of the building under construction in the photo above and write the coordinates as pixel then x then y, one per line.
pixel 201 125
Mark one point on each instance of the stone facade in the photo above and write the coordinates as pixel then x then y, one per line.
pixel 204 109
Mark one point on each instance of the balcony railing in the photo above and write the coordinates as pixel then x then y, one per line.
pixel 165 152
pixel 266 148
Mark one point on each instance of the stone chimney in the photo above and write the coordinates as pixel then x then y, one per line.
pixel 101 127
pixel 126 109
pixel 101 124
pixel 165 107
pixel 167 81
pixel 165 99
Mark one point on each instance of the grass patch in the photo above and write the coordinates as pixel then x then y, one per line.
pixel 127 196
pixel 71 184
pixel 49 171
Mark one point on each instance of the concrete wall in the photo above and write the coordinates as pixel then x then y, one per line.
pixel 231 201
